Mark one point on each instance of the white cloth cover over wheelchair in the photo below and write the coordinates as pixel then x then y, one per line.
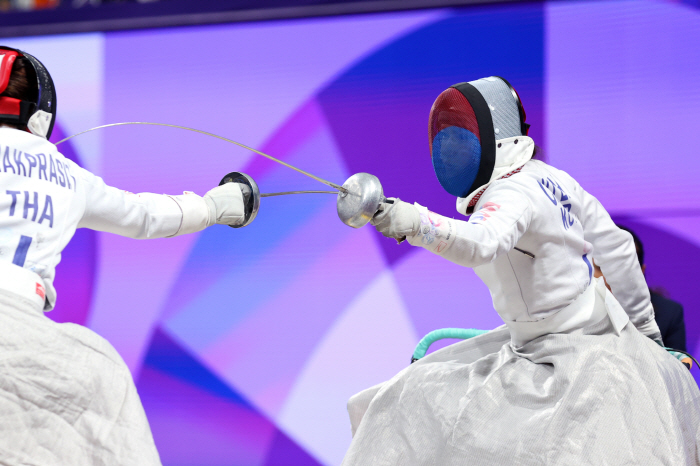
pixel 586 397
pixel 66 396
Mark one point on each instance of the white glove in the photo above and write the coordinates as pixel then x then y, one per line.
pixel 397 220
pixel 226 204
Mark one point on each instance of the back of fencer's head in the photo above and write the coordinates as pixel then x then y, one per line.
pixel 22 83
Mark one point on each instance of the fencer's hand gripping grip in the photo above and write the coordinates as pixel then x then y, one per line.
pixel 252 200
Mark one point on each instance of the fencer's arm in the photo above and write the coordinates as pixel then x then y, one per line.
pixel 147 215
pixel 615 254
pixel 504 216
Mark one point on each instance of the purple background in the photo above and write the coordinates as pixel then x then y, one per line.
pixel 246 344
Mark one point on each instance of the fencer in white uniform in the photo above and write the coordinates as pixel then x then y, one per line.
pixel 66 396
pixel 571 378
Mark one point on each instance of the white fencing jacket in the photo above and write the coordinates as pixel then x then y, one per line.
pixel 45 197
pixel 531 239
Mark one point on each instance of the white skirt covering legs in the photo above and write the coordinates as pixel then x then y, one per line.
pixel 66 396
pixel 587 397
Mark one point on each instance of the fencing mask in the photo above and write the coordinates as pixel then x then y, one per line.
pixel 38 112
pixel 466 120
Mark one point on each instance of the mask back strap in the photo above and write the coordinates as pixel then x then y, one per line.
pixel 16 111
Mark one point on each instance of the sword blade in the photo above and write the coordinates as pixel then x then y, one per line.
pixel 326 182
pixel 297 192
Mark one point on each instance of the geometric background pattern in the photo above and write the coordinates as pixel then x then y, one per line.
pixel 246 344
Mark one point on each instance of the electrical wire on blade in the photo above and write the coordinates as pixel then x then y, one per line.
pixel 326 182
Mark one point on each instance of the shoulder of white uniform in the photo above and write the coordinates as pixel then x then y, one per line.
pixel 19 135
pixel 541 170
pixel 514 188
pixel 533 168
pixel 538 166
pixel 26 141
pixel 522 181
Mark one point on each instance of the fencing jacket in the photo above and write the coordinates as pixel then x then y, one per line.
pixel 45 197
pixel 531 239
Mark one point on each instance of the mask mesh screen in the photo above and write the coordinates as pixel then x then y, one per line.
pixel 451 108
pixel 455 146
pixel 504 108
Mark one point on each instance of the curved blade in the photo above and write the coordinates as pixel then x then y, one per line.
pixel 332 185
pixel 297 192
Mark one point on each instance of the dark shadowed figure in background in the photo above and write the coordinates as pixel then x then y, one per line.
pixel 669 313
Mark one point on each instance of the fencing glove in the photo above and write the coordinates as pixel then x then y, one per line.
pixel 397 220
pixel 226 203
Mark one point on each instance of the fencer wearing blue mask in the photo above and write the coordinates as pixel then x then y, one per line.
pixel 571 378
